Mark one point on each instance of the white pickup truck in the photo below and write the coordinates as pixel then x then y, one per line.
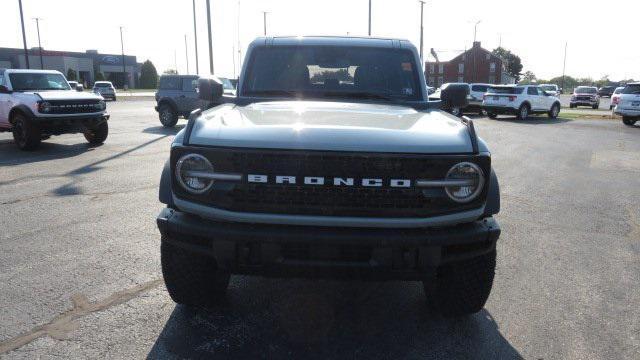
pixel 36 104
pixel 520 101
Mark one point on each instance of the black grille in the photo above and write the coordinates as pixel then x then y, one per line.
pixel 584 98
pixel 330 200
pixel 73 106
pixel 306 252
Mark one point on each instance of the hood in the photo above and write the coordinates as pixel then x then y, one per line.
pixel 332 126
pixel 67 95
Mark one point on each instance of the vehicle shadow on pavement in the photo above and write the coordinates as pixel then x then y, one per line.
pixel 270 318
pixel 11 155
pixel 539 120
pixel 161 130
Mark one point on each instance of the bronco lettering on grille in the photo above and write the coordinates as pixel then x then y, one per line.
pixel 336 181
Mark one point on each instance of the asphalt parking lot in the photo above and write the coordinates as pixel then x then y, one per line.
pixel 80 269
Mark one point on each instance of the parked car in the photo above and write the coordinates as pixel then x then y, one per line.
pixel 362 179
pixel 520 100
pixel 105 89
pixel 551 89
pixel 446 105
pixel 37 104
pixel 606 91
pixel 629 104
pixel 615 98
pixel 585 96
pixel 476 96
pixel 227 86
pixel 76 86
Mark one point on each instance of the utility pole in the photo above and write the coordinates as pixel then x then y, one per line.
pixel 24 37
pixel 369 17
pixel 239 48
pixel 124 69
pixel 233 58
pixel 210 41
pixel 421 30
pixel 186 53
pixel 264 22
pixel 475 30
pixel 195 35
pixel 564 66
pixel 175 60
pixel 473 48
pixel 39 44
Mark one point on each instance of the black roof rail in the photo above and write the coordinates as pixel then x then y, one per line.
pixel 472 134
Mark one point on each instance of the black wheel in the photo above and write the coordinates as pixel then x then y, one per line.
pixel 555 110
pixel 595 107
pixel 492 115
pixel 191 279
pixel 26 133
pixel 611 107
pixel 168 116
pixel 97 135
pixel 629 121
pixel 456 111
pixel 114 98
pixel 572 106
pixel 523 112
pixel 482 112
pixel 462 288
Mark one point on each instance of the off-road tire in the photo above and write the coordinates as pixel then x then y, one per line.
pixel 572 106
pixel 629 121
pixel 492 116
pixel 555 110
pixel 522 114
pixel 595 107
pixel 26 133
pixel 168 117
pixel 461 288
pixel 97 135
pixel 191 279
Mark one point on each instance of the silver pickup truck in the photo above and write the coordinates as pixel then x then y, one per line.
pixel 330 162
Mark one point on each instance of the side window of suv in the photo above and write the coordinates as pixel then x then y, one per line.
pixel 169 83
pixel 532 90
pixel 189 84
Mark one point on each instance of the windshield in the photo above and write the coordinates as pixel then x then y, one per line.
pixel 505 90
pixel 320 72
pixel 632 89
pixel 548 87
pixel 38 81
pixel 586 90
pixel 102 84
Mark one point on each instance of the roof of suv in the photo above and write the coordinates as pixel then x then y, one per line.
pixel 334 40
pixel 32 71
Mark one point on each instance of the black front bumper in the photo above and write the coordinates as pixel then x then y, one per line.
pixel 303 251
pixel 500 110
pixel 68 125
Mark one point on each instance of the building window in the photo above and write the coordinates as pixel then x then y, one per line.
pixel 460 78
pixel 432 68
pixel 492 67
pixel 461 68
pixel 492 79
pixel 441 68
pixel 488 56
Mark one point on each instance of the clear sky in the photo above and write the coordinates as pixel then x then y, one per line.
pixel 598 33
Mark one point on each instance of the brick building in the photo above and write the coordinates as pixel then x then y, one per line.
pixel 476 65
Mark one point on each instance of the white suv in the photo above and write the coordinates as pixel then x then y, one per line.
pixel 36 104
pixel 629 104
pixel 520 101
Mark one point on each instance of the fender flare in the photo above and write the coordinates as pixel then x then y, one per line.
pixel 165 191
pixel 170 102
pixel 492 206
pixel 20 108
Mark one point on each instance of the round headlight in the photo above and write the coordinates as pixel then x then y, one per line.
pixel 186 166
pixel 471 182
pixel 44 107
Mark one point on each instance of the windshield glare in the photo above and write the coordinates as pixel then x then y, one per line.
pixel 333 72
pixel 632 89
pixel 586 90
pixel 35 81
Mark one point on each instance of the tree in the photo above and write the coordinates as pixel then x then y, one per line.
pixel 99 76
pixel 512 62
pixel 528 77
pixel 170 72
pixel 71 75
pixel 148 75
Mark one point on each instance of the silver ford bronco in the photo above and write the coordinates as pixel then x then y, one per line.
pixel 330 162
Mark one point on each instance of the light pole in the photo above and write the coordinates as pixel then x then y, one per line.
pixel 475 32
pixel 369 17
pixel 264 21
pixel 124 70
pixel 24 38
pixel 195 35
pixel 564 65
pixel 186 53
pixel 239 48
pixel 421 30
pixel 37 19
pixel 210 40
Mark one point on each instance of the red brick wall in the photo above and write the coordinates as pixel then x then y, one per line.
pixel 477 68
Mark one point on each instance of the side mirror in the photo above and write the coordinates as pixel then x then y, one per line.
pixel 455 95
pixel 4 90
pixel 79 88
pixel 210 89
